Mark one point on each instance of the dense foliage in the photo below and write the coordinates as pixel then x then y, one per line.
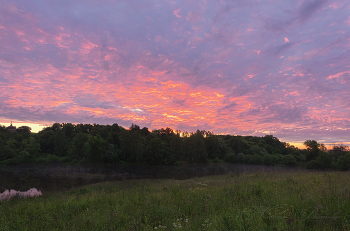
pixel 86 143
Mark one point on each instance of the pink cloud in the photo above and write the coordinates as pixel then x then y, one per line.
pixel 316 52
pixel 141 65
pixel 336 5
pixel 177 12
pixel 87 46
pixel 192 16
pixel 338 75
pixel 158 38
pixel 347 21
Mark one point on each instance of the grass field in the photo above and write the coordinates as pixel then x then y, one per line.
pixel 259 201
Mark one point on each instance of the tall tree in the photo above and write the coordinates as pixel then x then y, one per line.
pixel 156 152
pixel 61 144
pixel 76 149
pixel 95 148
pixel 313 149
pixel 132 145
pixel 196 148
pixel 212 144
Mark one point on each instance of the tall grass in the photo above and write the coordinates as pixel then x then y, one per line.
pixel 259 201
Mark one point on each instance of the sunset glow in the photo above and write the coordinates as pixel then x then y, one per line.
pixel 231 67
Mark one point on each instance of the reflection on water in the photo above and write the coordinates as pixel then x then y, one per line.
pixel 61 176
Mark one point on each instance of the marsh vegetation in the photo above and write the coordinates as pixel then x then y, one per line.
pixel 249 201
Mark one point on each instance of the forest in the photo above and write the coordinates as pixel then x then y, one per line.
pixel 94 143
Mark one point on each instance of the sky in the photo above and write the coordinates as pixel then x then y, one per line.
pixel 242 67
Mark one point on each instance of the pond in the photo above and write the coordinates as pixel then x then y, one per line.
pixel 56 177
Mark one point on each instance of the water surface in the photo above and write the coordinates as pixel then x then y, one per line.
pixel 55 177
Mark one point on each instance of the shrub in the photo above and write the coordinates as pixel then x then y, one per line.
pixel 48 159
pixel 274 160
pixel 280 158
pixel 217 160
pixel 230 157
pixel 240 158
pixel 248 159
pixel 343 162
pixel 256 159
pixel 11 161
pixel 312 164
pixel 289 160
pixel 324 160
pixel 267 159
pixel 111 155
pixel 52 158
pixel 95 148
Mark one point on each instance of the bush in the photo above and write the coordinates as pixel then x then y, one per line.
pixel 63 159
pixel 343 162
pixel 256 159
pixel 280 158
pixel 274 159
pixel 217 160
pixel 52 158
pixel 289 160
pixel 111 155
pixel 48 159
pixel 24 156
pixel 312 164
pixel 248 159
pixel 95 148
pixel 7 152
pixel 324 160
pixel 240 158
pixel 230 157
pixel 267 159
pixel 12 161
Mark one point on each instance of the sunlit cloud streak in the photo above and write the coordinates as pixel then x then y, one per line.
pixel 237 67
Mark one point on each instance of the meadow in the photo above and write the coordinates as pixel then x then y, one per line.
pixel 252 201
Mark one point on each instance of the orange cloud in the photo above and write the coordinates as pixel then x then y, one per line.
pixel 337 75
pixel 184 73
pixel 159 73
pixel 87 46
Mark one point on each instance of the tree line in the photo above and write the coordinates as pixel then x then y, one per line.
pixel 94 143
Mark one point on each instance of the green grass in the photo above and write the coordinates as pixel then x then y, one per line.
pixel 261 201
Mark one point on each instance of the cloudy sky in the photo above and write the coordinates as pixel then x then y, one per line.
pixel 244 67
